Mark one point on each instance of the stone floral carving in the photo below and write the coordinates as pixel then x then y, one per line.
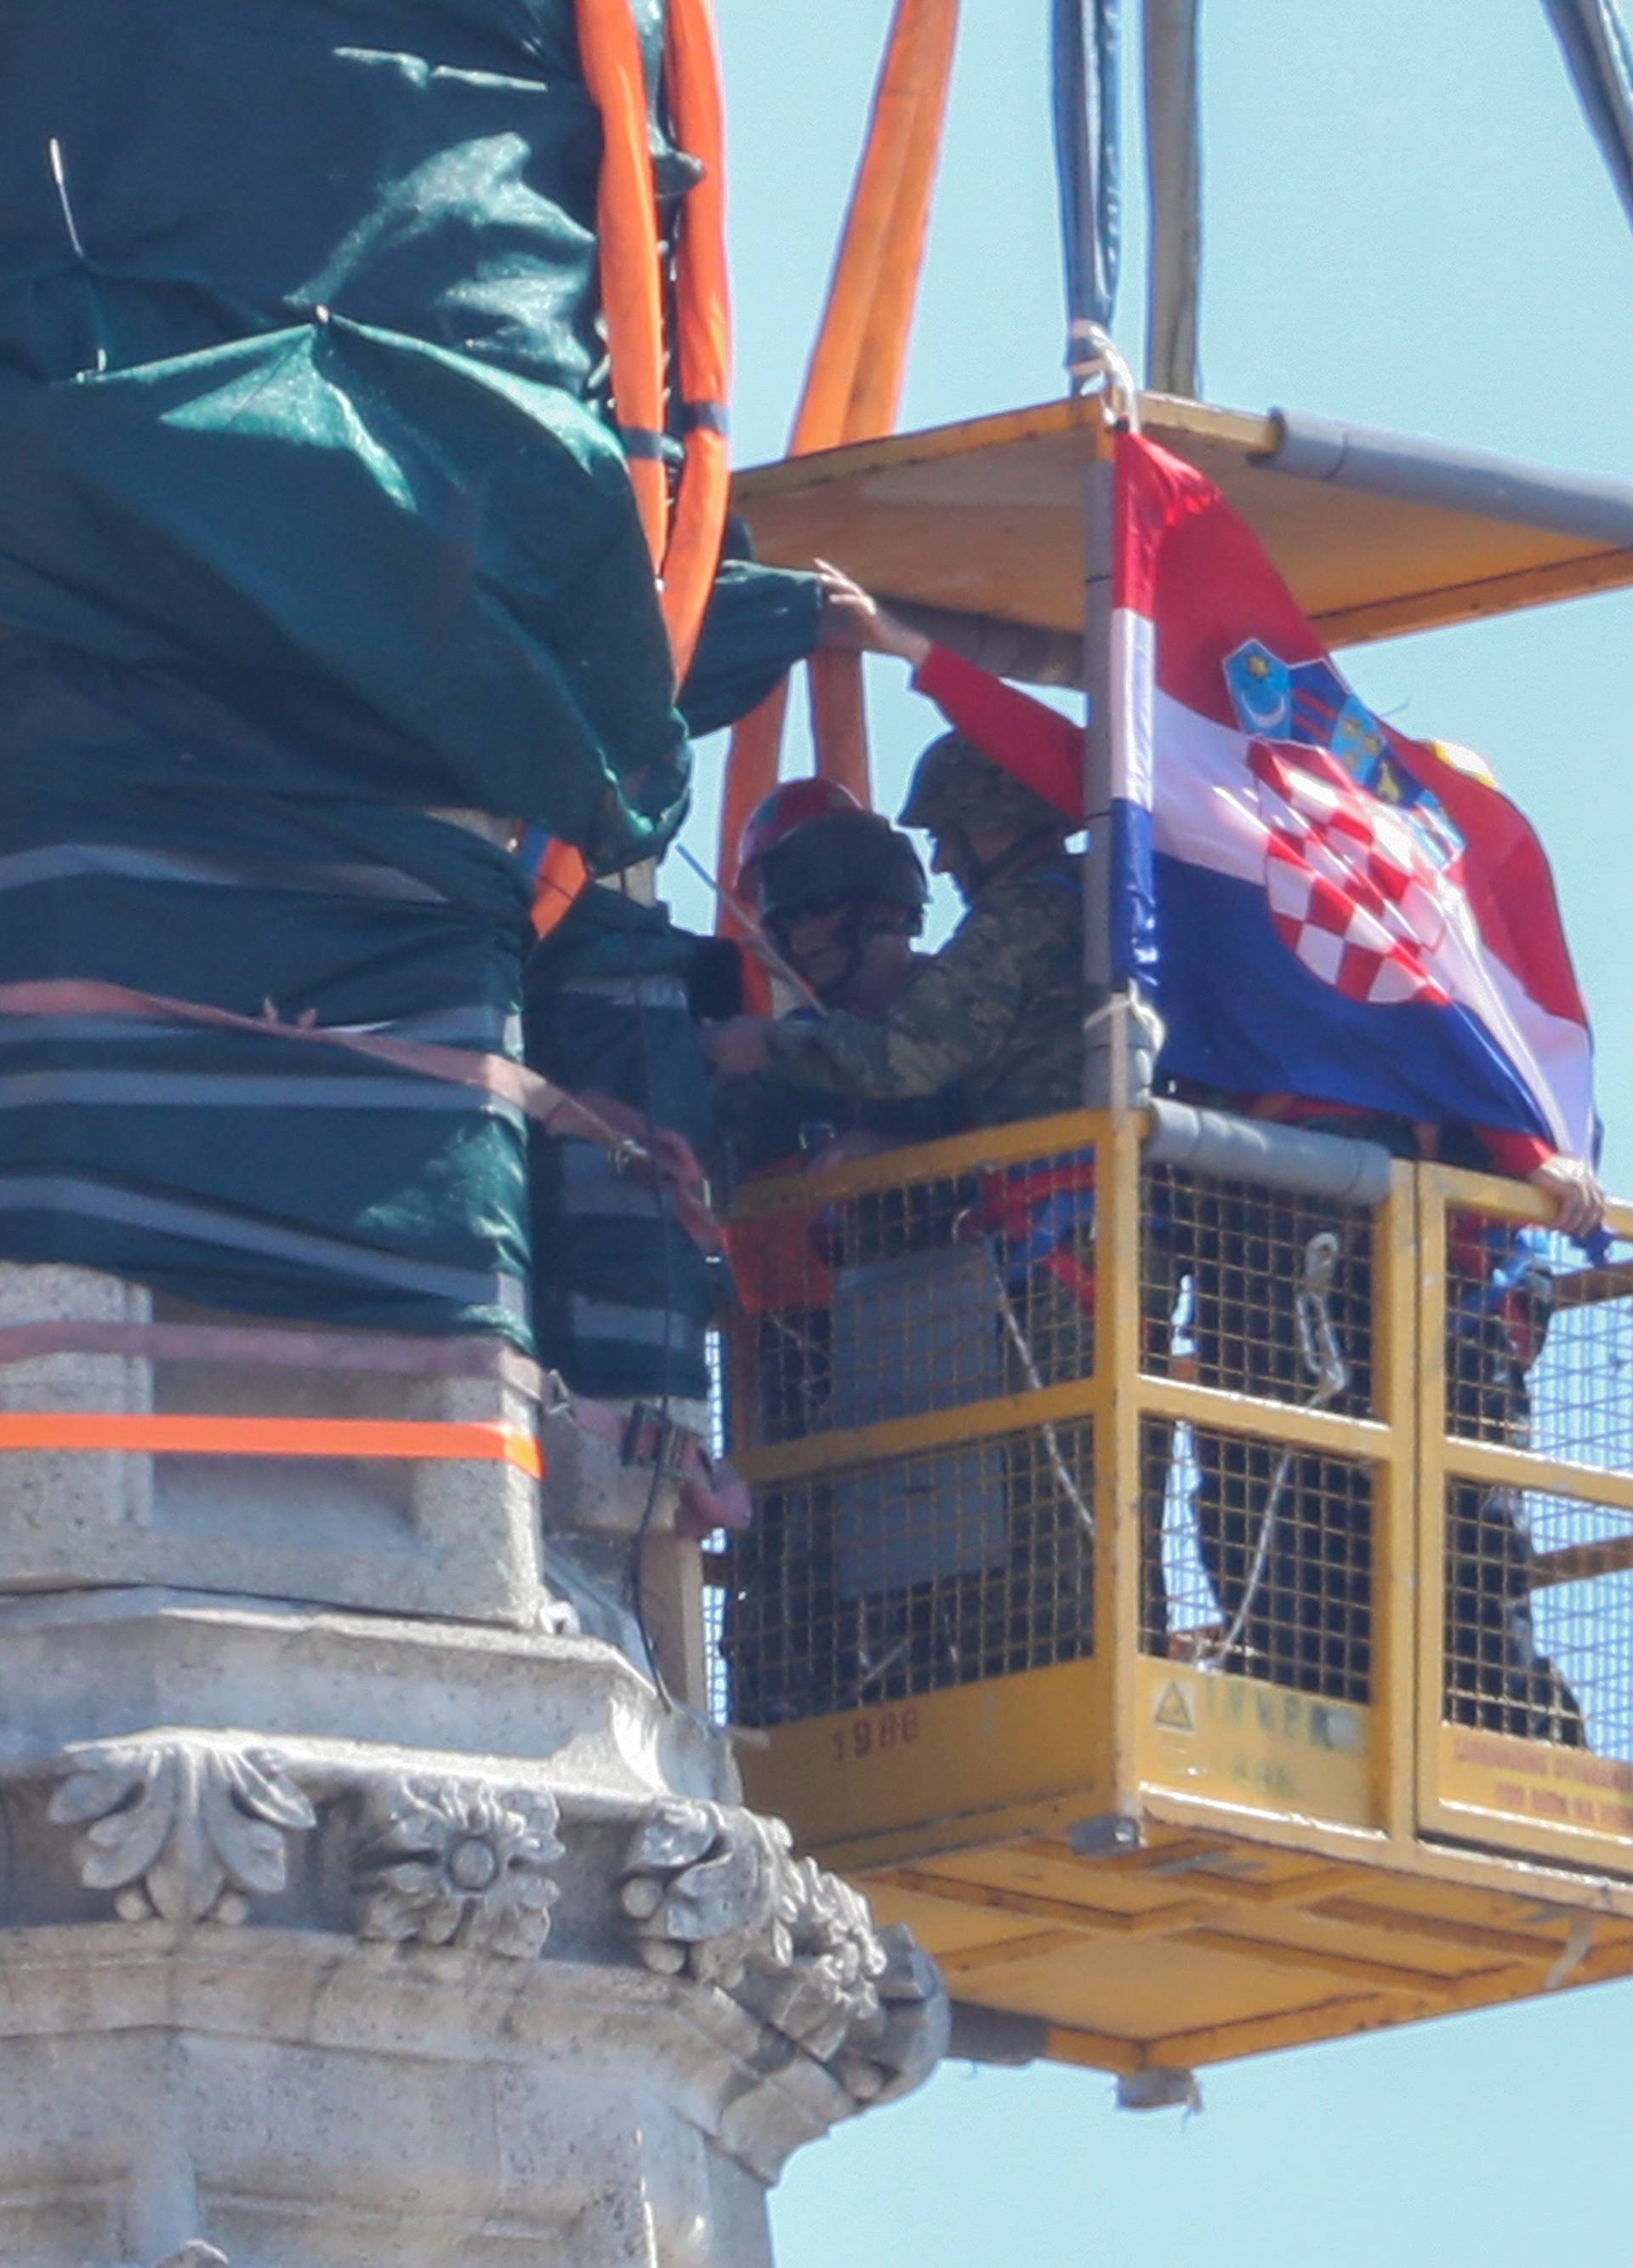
pixel 184 1829
pixel 195 2255
pixel 457 1863
pixel 716 1894
pixel 709 1892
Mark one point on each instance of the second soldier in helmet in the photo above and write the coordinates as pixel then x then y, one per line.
pixel 985 1032
pixel 841 894
pixel 989 1027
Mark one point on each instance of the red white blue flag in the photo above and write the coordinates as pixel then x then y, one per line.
pixel 1317 905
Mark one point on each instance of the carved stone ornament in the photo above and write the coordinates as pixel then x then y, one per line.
pixel 457 1863
pixel 196 2255
pixel 716 1894
pixel 182 1828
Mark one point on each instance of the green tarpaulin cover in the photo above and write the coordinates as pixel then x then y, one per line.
pixel 300 378
pixel 250 1169
pixel 313 521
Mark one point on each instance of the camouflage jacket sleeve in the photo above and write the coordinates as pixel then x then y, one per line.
pixel 953 1018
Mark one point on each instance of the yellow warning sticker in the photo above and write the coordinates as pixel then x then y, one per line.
pixel 1172 1712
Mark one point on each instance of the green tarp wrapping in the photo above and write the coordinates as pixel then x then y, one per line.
pixel 249 1170
pixel 313 521
pixel 761 621
pixel 300 378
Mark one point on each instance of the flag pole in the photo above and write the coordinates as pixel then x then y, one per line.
pixel 1102 1015
pixel 1116 1071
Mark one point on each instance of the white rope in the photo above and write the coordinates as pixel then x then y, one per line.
pixel 1051 1440
pixel 1091 355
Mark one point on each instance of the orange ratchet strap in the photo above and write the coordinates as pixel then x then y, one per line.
pixel 271 1437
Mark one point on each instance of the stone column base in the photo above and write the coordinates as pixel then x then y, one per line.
pixel 332 1940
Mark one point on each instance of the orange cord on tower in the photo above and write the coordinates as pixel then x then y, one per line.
pixel 703 346
pixel 627 223
pixel 685 549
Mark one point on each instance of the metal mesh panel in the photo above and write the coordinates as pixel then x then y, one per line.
pixel 1264 1558
pixel 1539 1614
pixel 1257 1559
pixel 1538 1347
pixel 1257 1291
pixel 970 1560
pixel 883 1582
pixel 924 1297
pixel 1539 1617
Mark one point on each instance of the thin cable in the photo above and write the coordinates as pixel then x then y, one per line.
pixel 1051 1438
pixel 756 934
pixel 1323 1358
pixel 666 1375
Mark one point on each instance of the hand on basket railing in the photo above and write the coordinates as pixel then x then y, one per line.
pixel 1579 1201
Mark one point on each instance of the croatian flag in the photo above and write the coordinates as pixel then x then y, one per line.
pixel 1317 905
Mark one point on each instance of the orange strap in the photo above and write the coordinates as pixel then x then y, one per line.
pixel 751 770
pixel 560 880
pixel 884 229
pixel 881 361
pixel 685 552
pixel 853 388
pixel 703 346
pixel 272 1437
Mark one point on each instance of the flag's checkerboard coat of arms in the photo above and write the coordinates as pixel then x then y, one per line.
pixel 1358 854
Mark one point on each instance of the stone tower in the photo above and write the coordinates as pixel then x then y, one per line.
pixel 358 1909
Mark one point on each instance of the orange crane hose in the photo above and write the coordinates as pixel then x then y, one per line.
pixel 915 72
pixel 703 324
pixel 751 770
pixel 839 722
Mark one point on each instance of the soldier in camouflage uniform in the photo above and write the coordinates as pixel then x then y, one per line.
pixel 992 1024
pixel 995 1019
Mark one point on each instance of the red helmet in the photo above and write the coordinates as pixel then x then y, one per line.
pixel 785 808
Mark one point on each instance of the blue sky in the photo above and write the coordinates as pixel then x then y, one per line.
pixel 1408 224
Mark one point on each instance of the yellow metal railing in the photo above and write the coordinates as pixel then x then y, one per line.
pixel 1090 1489
pixel 1525 1535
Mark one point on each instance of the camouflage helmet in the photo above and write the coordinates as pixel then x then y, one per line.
pixel 954 785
